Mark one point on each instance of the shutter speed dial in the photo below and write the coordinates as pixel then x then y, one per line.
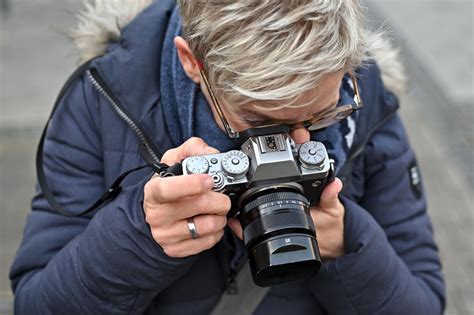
pixel 312 154
pixel 197 165
pixel 235 164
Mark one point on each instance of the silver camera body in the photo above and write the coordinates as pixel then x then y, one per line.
pixel 272 184
pixel 266 162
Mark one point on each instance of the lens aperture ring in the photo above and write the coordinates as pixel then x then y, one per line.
pixel 262 201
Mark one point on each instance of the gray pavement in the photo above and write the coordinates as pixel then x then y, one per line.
pixel 436 38
pixel 437 42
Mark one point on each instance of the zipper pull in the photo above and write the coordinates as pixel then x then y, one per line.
pixel 232 287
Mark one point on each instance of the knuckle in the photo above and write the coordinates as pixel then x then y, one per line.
pixel 210 241
pixel 157 237
pixel 147 189
pixel 170 156
pixel 160 190
pixel 154 189
pixel 194 146
pixel 162 237
pixel 221 202
pixel 155 218
pixel 194 141
pixel 148 218
pixel 171 251
pixel 227 203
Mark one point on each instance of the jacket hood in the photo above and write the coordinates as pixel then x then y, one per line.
pixel 101 23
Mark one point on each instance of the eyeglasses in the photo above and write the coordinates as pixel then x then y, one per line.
pixel 316 122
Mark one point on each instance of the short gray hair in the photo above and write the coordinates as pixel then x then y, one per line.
pixel 269 50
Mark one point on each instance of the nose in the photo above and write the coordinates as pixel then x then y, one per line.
pixel 300 135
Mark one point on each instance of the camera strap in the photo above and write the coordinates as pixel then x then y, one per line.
pixel 243 301
pixel 231 300
pixel 160 168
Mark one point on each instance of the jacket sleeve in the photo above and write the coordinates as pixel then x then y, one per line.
pixel 391 264
pixel 106 263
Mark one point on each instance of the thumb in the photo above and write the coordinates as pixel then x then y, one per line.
pixel 329 197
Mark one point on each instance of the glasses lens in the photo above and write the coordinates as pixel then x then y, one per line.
pixel 330 118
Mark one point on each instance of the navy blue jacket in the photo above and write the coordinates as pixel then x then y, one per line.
pixel 107 261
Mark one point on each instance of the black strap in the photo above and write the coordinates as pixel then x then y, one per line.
pixel 159 168
pixel 111 193
pixel 39 153
pixel 243 302
pixel 231 300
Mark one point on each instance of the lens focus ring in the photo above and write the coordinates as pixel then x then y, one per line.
pixel 277 212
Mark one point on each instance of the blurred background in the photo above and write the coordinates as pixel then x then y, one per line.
pixel 436 41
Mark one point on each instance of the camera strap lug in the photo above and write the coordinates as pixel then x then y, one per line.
pixel 332 170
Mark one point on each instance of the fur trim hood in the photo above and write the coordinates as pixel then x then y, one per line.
pixel 101 23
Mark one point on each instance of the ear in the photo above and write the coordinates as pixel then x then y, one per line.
pixel 187 59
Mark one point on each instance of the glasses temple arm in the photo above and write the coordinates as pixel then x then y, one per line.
pixel 230 132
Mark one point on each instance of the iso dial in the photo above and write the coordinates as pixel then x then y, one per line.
pixel 235 164
pixel 197 165
pixel 312 154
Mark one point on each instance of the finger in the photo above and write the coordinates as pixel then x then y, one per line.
pixel 330 194
pixel 167 214
pixel 191 147
pixel 235 226
pixel 192 247
pixel 160 190
pixel 206 224
pixel 300 135
pixel 210 202
pixel 321 219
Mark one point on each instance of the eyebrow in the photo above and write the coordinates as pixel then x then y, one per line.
pixel 249 113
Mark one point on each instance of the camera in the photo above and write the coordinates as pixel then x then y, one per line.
pixel 272 183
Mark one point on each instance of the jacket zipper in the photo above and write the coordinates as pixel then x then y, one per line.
pixel 361 146
pixel 100 85
pixel 347 168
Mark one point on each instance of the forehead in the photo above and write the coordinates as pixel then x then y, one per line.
pixel 322 97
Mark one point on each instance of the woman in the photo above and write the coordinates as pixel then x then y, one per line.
pixel 158 90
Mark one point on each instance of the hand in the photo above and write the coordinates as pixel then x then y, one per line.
pixel 328 217
pixel 170 201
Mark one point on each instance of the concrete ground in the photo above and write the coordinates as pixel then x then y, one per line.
pixel 436 38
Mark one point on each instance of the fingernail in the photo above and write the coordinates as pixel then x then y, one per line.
pixel 209 182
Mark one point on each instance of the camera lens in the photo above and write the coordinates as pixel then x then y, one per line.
pixel 279 235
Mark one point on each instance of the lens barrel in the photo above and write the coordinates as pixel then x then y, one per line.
pixel 279 235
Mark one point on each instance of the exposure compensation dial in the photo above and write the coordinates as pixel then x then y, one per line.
pixel 312 154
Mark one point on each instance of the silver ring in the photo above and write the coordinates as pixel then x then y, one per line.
pixel 192 229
